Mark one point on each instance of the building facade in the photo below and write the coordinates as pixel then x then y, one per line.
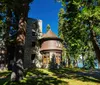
pixel 51 50
pixel 41 50
pixel 32 56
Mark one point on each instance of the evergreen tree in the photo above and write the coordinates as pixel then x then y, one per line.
pixel 90 16
pixel 16 13
pixel 61 22
pixel 72 34
pixel 80 26
pixel 48 27
pixel 61 35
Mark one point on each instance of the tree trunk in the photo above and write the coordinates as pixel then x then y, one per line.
pixel 75 63
pixel 69 62
pixel 98 65
pixel 95 44
pixel 20 41
pixel 18 68
pixel 10 54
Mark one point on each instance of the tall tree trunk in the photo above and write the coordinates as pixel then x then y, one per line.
pixel 18 67
pixel 69 61
pixel 10 54
pixel 98 65
pixel 75 63
pixel 20 41
pixel 95 44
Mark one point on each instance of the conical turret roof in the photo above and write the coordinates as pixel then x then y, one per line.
pixel 49 41
pixel 49 34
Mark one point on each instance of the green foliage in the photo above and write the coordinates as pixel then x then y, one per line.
pixel 48 27
pixel 13 14
pixel 89 56
pixel 71 30
pixel 10 14
pixel 76 21
pixel 61 22
pixel 89 63
pixel 60 31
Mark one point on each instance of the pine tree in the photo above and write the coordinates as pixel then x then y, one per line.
pixel 82 24
pixel 48 27
pixel 61 35
pixel 16 14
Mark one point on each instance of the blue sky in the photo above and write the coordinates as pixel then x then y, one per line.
pixel 47 11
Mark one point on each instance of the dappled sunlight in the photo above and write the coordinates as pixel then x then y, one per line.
pixel 76 74
pixel 63 76
pixel 4 77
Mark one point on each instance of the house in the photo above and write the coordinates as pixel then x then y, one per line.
pixel 51 50
pixel 41 49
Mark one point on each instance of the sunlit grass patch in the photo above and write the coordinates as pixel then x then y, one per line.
pixel 63 76
pixel 4 77
pixel 73 74
pixel 4 73
pixel 46 71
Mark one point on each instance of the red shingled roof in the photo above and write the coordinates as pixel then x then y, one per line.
pixel 49 34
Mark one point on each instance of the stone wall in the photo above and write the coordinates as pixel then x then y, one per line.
pixel 32 56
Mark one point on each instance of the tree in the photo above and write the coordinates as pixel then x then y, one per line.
pixel 16 16
pixel 61 22
pixel 48 27
pixel 61 35
pixel 78 26
pixel 89 57
pixel 90 15
pixel 71 32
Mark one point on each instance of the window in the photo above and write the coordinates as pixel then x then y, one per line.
pixel 33 44
pixel 33 56
pixel 33 33
pixel 58 44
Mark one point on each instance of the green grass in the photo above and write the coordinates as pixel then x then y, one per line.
pixel 64 76
pixel 4 77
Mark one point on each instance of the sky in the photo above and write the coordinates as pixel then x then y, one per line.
pixel 47 11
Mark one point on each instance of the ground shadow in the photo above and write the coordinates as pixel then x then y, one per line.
pixel 4 77
pixel 69 73
pixel 37 77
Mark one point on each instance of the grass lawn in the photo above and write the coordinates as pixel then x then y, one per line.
pixel 65 76
pixel 4 77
